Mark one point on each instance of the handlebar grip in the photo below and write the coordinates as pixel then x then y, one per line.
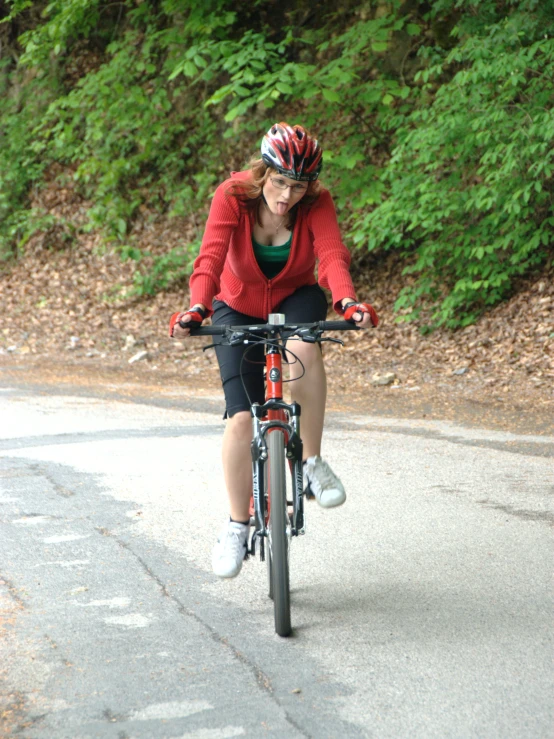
pixel 208 331
pixel 338 326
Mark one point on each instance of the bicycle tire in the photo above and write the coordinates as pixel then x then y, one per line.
pixel 278 535
pixel 268 548
pixel 269 574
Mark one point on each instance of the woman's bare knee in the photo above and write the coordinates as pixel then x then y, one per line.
pixel 309 357
pixel 240 425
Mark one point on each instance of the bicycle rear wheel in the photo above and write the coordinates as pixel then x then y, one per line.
pixel 279 528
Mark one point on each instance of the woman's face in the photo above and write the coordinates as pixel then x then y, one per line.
pixel 282 193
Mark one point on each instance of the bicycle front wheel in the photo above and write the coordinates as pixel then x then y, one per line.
pixel 279 528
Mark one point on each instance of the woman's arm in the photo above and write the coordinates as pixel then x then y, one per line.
pixel 331 253
pixel 222 221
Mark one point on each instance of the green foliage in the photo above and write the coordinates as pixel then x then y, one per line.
pixel 166 269
pixel 64 22
pixel 19 169
pixel 436 119
pixel 17 7
pixel 469 184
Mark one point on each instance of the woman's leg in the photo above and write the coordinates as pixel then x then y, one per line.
pixel 239 394
pixel 232 544
pixel 309 385
pixel 237 464
pixel 310 391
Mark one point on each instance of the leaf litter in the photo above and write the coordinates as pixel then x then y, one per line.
pixel 67 313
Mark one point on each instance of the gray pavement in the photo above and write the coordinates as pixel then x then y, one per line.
pixel 421 608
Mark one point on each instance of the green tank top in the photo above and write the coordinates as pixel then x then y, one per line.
pixel 271 259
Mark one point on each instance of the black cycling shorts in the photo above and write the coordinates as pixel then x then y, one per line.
pixel 305 305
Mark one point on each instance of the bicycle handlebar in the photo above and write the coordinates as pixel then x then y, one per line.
pixel 317 326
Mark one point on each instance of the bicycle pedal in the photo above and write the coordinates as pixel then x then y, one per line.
pixel 308 493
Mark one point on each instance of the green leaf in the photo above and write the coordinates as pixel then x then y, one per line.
pixel 285 88
pixel 233 113
pixel 190 69
pixel 332 96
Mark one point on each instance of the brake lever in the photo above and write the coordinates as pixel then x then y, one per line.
pixel 306 335
pixel 311 339
pixel 236 338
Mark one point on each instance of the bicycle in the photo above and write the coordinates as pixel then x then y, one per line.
pixel 275 439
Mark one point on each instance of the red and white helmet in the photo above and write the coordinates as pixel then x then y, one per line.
pixel 292 152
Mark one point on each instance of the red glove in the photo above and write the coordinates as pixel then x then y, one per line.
pixel 197 316
pixel 351 308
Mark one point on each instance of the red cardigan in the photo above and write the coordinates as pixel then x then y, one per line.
pixel 226 267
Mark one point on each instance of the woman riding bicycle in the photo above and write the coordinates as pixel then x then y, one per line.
pixel 266 229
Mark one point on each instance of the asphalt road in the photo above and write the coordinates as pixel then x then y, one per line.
pixel 421 608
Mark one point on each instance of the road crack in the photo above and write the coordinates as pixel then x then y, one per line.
pixel 262 680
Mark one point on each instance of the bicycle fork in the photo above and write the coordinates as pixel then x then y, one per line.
pixel 266 417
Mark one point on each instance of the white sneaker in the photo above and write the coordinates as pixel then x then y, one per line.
pixel 323 483
pixel 230 549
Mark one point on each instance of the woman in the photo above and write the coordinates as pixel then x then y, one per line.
pixel 266 228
